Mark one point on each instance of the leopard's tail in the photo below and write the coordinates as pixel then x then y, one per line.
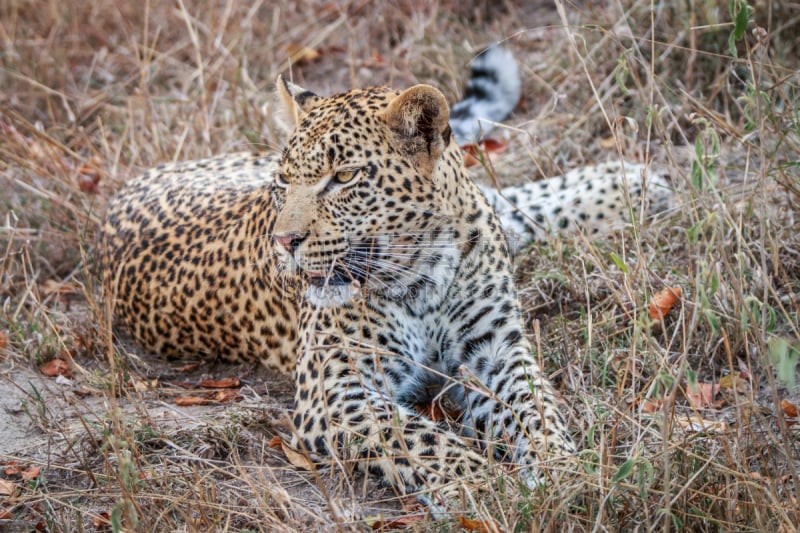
pixel 491 95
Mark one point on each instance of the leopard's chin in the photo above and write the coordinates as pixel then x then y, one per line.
pixel 320 279
pixel 333 295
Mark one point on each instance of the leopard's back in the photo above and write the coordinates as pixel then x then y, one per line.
pixel 187 260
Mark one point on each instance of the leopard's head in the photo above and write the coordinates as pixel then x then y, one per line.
pixel 363 191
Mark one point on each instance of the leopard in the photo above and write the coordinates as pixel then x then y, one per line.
pixel 595 200
pixel 364 261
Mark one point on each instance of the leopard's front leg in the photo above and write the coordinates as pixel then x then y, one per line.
pixel 343 409
pixel 514 407
pixel 510 404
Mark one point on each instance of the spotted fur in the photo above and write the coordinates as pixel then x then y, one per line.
pixel 491 95
pixel 364 260
pixel 596 199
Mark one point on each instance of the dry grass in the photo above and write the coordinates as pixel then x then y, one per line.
pixel 94 92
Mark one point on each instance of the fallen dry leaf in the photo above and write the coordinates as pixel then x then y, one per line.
pixel 56 367
pixel 101 520
pixel 12 468
pixel 225 383
pixel 301 54
pixel 275 442
pixel 487 146
pixel 31 473
pixel 297 459
pixel 479 526
pixel 225 396
pixel 5 514
pixel 789 409
pixel 220 396
pixel 7 488
pixel 140 385
pixel 703 395
pixel 188 401
pixel 3 340
pixel 190 367
pixel 652 405
pixel 493 145
pixel 663 301
pixel 88 178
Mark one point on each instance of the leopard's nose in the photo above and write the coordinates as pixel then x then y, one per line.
pixel 289 241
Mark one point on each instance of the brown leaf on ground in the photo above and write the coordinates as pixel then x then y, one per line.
pixel 88 178
pixel 220 396
pixel 101 520
pixel 789 409
pixel 702 396
pixel 301 54
pixel 56 367
pixel 188 401
pixel 479 526
pixel 663 301
pixel 12 468
pixel 5 514
pixel 189 367
pixel 7 488
pixel 472 152
pixel 3 340
pixel 275 442
pixel 297 459
pixel 225 383
pixel 652 405
pixel 140 385
pixel 31 473
pixel 88 184
pixel 225 396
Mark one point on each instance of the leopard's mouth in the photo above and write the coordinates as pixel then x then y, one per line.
pixel 354 266
pixel 338 276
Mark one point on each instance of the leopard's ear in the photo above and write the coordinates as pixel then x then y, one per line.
pixel 419 117
pixel 296 101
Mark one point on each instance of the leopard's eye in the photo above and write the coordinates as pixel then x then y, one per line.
pixel 345 176
pixel 280 181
